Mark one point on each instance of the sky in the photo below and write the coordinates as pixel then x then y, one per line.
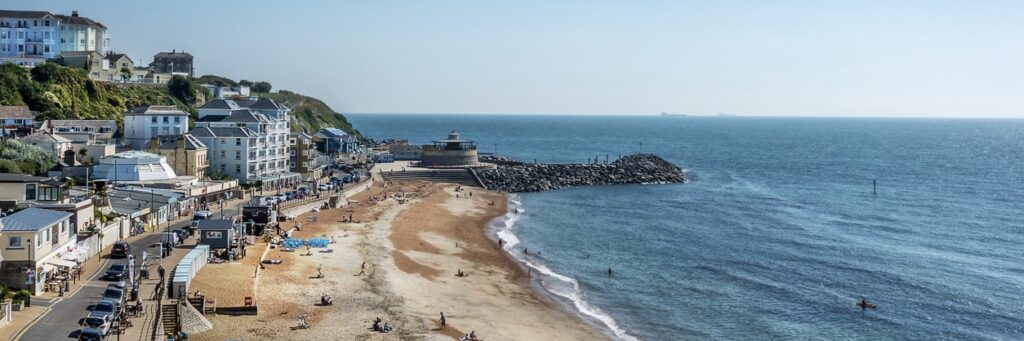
pixel 932 58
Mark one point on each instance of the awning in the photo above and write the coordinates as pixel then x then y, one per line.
pixel 61 262
pixel 73 256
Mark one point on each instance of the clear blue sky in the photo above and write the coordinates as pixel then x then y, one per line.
pixel 830 58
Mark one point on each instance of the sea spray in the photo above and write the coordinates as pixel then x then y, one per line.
pixel 561 286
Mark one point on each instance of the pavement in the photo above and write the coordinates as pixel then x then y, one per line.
pixel 60 320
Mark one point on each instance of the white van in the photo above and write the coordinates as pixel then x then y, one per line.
pixel 170 237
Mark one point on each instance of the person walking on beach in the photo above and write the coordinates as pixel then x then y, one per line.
pixel 160 270
pixel 443 321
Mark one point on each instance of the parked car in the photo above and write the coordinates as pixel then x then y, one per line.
pixel 114 294
pixel 169 237
pixel 303 190
pixel 120 250
pixel 90 334
pixel 104 308
pixel 98 321
pixel 282 198
pixel 116 272
pixel 323 187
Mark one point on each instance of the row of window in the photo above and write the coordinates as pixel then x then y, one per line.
pixel 22 23
pixel 154 131
pixel 166 119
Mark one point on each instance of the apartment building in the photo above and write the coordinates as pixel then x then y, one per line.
pixel 267 148
pixel 28 38
pixel 78 33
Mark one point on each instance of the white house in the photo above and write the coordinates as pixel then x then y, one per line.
pixel 78 33
pixel 146 122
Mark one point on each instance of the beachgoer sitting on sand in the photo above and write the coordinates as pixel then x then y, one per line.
pixel 319 273
pixel 386 328
pixel 460 273
pixel 472 335
pixel 325 299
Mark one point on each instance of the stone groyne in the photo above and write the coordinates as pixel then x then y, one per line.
pixel 515 176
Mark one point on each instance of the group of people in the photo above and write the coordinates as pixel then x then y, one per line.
pixel 381 328
pixel 469 337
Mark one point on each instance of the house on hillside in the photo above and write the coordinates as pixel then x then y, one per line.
pixel 49 142
pixel 143 123
pixel 28 38
pixel 16 120
pixel 172 63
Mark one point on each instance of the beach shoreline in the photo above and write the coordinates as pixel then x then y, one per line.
pixel 397 260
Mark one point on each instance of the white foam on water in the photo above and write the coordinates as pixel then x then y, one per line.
pixel 555 283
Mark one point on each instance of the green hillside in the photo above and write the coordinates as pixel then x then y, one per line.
pixel 58 92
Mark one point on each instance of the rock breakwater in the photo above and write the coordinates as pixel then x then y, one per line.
pixel 513 176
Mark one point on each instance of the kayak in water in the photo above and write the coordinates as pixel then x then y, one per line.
pixel 864 304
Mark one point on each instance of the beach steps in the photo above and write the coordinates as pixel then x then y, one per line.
pixel 169 318
pixel 454 176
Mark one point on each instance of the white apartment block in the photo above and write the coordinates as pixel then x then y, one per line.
pixel 28 38
pixel 79 33
pixel 264 156
pixel 143 123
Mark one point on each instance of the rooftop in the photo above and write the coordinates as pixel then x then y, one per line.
pixel 15 111
pixel 14 177
pixel 156 110
pixel 215 224
pixel 26 14
pixel 222 132
pixel 31 219
pixel 171 141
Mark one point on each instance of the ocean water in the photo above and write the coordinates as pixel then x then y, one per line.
pixel 779 234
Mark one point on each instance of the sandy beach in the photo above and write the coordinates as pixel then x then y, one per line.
pixel 397 260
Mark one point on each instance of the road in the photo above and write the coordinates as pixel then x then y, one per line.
pixel 61 322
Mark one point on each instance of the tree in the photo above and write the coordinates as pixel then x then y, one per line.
pixel 245 82
pixel 261 87
pixel 82 153
pixel 182 88
pixel 126 74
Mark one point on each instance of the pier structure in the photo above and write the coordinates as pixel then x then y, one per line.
pixel 451 152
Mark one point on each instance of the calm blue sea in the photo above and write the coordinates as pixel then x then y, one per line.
pixel 778 235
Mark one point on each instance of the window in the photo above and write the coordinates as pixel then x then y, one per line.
pixel 167 130
pixel 238 142
pixel 153 131
pixel 39 240
pixel 30 191
pixel 222 153
pixel 46 23
pixel 222 141
pixel 238 155
pixel 153 120
pixel 48 193
pixel 238 169
pixel 177 119
pixel 166 119
pixel 222 168
pixel 54 236
pixel 14 243
pixel 46 48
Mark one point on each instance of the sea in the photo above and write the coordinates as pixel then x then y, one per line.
pixel 781 230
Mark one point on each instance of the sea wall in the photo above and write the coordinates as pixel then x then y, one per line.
pixel 513 176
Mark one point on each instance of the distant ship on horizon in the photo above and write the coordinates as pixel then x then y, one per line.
pixel 670 114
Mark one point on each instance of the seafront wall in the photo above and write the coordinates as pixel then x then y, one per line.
pixel 514 176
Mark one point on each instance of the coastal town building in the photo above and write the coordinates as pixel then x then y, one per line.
pixel 172 63
pixel 134 166
pixel 450 152
pixel 28 38
pixel 16 120
pixel 20 191
pixel 94 131
pixel 145 122
pixel 230 151
pixel 303 157
pixel 33 240
pixel 227 92
pixel 247 139
pixel 78 33
pixel 49 142
pixel 186 154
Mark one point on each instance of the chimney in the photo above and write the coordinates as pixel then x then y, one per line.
pixel 74 13
pixel 173 51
